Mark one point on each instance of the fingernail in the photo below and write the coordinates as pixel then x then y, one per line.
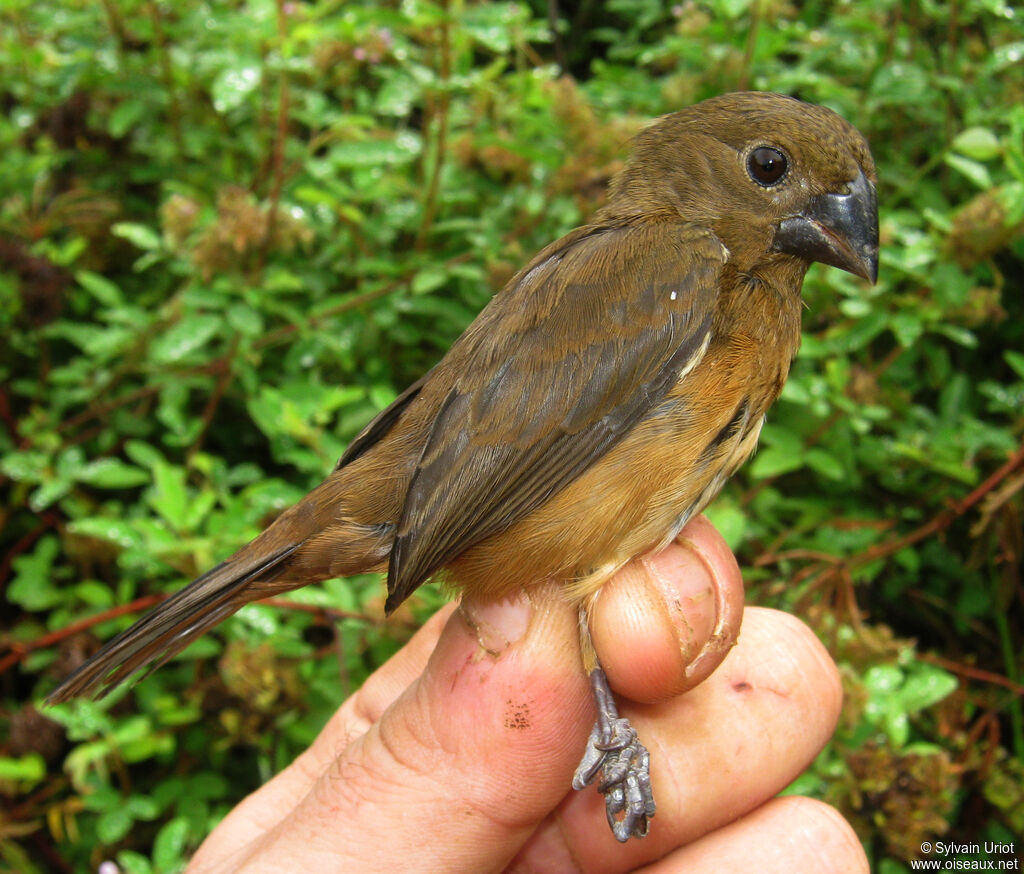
pixel 687 588
pixel 728 612
pixel 498 624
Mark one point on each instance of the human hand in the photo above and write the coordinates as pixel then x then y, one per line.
pixel 457 754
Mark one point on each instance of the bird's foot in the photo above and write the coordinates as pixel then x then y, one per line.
pixel 623 763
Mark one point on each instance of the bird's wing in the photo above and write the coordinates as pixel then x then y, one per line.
pixel 585 342
pixel 380 424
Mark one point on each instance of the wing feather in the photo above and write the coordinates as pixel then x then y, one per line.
pixel 590 338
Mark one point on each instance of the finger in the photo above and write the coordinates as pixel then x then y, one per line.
pixel 717 752
pixel 384 685
pixel 264 808
pixel 462 766
pixel 784 835
pixel 263 811
pixel 667 620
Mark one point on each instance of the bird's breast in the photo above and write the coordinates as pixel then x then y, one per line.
pixel 638 495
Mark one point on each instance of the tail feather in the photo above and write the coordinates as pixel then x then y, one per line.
pixel 170 627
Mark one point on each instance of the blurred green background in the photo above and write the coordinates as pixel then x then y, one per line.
pixel 231 231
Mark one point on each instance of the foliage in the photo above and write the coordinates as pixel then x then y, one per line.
pixel 230 231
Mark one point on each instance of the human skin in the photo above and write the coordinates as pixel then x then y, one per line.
pixel 457 754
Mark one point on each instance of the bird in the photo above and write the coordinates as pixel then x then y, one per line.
pixel 596 404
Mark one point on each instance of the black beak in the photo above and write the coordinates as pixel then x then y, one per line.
pixel 836 229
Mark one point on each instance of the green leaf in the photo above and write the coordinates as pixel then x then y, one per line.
pixel 30 768
pixel 147 747
pixel 125 116
pixel 376 153
pixel 131 862
pixel 112 473
pixel 732 9
pixel 85 719
pixel 774 461
pixel 978 143
pixel 398 94
pixel 49 493
pixel 114 824
pixel 101 288
pixel 232 87
pixel 84 758
pixel 730 520
pixel 117 531
pixel 899 83
pixel 70 462
pixel 27 466
pixel 169 846
pixel 143 807
pixel 860 332
pixel 97 596
pixel 140 236
pixel 897 726
pixel 825 463
pixel 184 338
pixel 908 328
pixel 169 496
pixel 959 335
pixel 199 506
pixel 428 279
pixel 132 729
pixel 94 340
pixel 492 24
pixel 796 391
pixel 883 680
pixel 245 319
pixel 1007 55
pixel 143 453
pixel 976 172
pixel 952 286
pixel 1011 196
pixel 926 686
pixel 1016 361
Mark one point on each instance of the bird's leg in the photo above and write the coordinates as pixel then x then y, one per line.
pixel 615 755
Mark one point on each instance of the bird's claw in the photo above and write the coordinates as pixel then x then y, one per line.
pixel 623 763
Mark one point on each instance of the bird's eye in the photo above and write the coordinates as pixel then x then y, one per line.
pixel 767 166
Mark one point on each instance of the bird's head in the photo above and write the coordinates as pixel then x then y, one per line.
pixel 775 178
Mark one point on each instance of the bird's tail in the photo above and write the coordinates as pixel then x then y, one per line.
pixel 174 624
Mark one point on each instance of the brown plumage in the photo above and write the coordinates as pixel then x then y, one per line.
pixel 597 403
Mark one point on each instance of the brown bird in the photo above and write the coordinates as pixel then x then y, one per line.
pixel 597 403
